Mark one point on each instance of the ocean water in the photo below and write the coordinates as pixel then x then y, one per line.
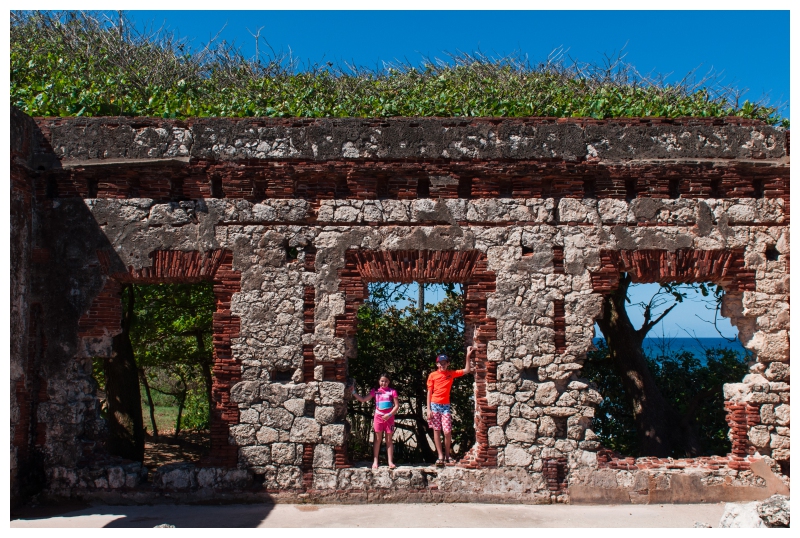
pixel 697 346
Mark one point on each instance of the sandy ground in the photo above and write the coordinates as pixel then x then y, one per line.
pixel 373 515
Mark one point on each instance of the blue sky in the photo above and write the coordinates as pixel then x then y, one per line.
pixel 692 318
pixel 749 49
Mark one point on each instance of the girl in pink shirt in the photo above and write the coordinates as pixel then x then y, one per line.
pixel 386 406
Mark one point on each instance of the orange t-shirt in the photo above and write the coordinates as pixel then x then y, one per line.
pixel 439 384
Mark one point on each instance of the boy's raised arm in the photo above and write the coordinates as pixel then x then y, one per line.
pixel 470 356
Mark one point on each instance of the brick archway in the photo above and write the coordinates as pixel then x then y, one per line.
pixel 469 268
pixel 723 267
pixel 180 267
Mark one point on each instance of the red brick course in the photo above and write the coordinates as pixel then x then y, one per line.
pixel 555 474
pixel 725 267
pixel 404 180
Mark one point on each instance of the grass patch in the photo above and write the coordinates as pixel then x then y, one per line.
pixel 90 64
pixel 165 418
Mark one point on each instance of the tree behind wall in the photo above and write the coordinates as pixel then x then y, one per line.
pixel 667 406
pixel 124 411
pixel 171 338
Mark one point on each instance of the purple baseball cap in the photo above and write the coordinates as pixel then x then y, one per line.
pixel 442 358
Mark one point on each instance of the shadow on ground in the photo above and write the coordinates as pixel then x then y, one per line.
pixel 210 516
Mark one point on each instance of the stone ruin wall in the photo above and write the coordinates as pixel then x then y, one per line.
pixel 537 217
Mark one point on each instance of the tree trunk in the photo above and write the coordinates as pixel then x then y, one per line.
pixel 152 407
pixel 660 429
pixel 205 365
pixel 421 424
pixel 181 403
pixel 125 425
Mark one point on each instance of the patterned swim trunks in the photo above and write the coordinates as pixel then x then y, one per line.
pixel 439 417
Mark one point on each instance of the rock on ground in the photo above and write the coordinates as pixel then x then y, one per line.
pixel 773 512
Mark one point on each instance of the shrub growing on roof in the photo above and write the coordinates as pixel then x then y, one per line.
pixel 91 64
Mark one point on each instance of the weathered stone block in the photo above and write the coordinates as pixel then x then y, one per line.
pixel 243 434
pixel 283 453
pixel 325 415
pixel 496 436
pixel 516 456
pixel 333 434
pixel 246 392
pixel 323 456
pixel 546 393
pixel 305 430
pixel 522 430
pixel 295 406
pixel 255 455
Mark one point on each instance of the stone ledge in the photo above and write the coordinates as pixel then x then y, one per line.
pixel 451 139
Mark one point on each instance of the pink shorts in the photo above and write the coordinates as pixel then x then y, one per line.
pixel 440 421
pixel 383 425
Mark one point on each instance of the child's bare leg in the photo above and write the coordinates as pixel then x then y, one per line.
pixel 437 440
pixel 448 440
pixel 376 449
pixel 389 449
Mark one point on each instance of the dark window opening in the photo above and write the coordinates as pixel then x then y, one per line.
pixel 758 188
pixel 547 187
pixel 589 188
pixel 465 187
pixel 176 189
pixel 51 188
pixel 292 253
pixel 424 187
pixel 282 376
pixel 561 427
pixel 716 188
pixel 216 187
pixel 92 185
pixel 341 189
pixel 505 189
pixel 134 187
pixel 674 188
pixel 310 408
pixel 530 374
pixel 527 251
pixel 772 253
pixel 630 190
pixel 382 188
pixel 784 465
pixel 259 189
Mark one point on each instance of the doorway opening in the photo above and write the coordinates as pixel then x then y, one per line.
pixel 402 327
pixel 170 330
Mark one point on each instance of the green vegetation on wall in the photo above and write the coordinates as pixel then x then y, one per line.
pixel 84 64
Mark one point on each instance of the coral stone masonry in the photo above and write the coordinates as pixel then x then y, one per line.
pixel 290 219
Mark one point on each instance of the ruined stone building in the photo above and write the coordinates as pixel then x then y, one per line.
pixel 536 217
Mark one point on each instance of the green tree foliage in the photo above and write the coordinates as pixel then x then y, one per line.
pixel 404 342
pixel 171 335
pixel 89 64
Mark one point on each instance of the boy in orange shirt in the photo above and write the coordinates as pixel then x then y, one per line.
pixel 439 416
